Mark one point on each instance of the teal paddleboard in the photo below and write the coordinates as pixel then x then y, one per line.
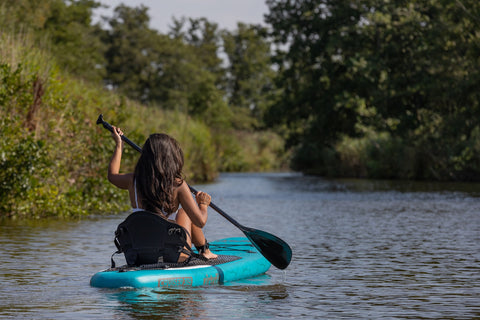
pixel 238 259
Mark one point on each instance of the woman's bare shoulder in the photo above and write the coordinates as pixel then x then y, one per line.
pixel 123 180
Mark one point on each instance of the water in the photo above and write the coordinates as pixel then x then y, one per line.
pixel 362 250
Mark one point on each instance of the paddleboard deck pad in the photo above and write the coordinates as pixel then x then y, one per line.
pixel 237 259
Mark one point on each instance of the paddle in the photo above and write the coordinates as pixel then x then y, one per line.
pixel 274 249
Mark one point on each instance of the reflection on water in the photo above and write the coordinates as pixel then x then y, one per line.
pixel 151 304
pixel 361 249
pixel 193 303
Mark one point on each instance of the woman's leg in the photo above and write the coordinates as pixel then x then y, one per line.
pixel 198 238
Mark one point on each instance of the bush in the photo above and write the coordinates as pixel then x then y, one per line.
pixel 23 165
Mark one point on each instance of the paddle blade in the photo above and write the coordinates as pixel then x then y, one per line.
pixel 274 249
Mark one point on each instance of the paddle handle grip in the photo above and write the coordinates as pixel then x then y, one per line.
pixel 107 126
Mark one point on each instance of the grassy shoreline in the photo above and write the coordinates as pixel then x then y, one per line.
pixel 54 157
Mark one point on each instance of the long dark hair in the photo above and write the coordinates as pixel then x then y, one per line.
pixel 158 172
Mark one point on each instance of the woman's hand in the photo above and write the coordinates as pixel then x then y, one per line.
pixel 203 198
pixel 117 136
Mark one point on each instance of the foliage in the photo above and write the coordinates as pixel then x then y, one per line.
pixel 249 77
pixel 75 42
pixel 384 89
pixel 204 37
pixel 53 157
pixel 129 55
pixel 405 71
pixel 65 27
pixel 19 160
pixel 253 151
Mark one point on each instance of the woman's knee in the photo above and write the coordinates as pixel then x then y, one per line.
pixel 183 219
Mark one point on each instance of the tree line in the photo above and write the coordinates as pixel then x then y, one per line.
pixel 382 89
pixel 368 88
pixel 179 70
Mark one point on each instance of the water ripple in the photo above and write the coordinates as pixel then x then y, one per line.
pixel 362 250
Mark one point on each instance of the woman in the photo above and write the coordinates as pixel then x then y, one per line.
pixel 157 186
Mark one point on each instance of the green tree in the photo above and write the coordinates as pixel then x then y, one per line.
pixel 130 54
pixel 249 76
pixel 405 68
pixel 316 105
pixel 75 41
pixel 176 71
pixel 23 14
pixel 204 36
pixel 62 27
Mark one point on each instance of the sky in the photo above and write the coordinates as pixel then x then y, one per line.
pixel 226 13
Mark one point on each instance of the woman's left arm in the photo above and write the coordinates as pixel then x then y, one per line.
pixel 197 212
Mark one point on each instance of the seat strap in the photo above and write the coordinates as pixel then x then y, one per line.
pixel 112 265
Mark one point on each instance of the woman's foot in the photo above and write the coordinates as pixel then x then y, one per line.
pixel 205 252
pixel 209 254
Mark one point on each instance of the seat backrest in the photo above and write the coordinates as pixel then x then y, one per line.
pixel 147 238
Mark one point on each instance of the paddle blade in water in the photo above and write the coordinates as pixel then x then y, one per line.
pixel 274 249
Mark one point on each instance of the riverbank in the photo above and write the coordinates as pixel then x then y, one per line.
pixel 54 157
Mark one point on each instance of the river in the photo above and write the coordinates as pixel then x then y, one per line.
pixel 361 250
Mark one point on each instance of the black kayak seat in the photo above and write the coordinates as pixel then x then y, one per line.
pixel 147 238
